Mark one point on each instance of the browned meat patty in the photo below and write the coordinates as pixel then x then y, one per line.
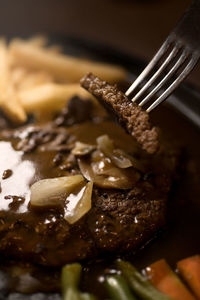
pixel 119 220
pixel 129 115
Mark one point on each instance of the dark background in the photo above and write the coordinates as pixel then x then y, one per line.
pixel 137 27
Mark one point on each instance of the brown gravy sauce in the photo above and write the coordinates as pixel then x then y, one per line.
pixel 181 237
pixel 28 168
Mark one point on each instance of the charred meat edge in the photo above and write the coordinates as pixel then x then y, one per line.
pixel 129 115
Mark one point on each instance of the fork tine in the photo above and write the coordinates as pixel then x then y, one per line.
pixel 172 87
pixel 171 55
pixel 150 66
pixel 177 65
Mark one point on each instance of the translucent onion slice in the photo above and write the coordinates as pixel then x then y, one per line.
pixel 117 156
pixel 82 149
pixel 49 192
pixel 105 174
pixel 82 207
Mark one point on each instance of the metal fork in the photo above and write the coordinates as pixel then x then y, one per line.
pixel 172 63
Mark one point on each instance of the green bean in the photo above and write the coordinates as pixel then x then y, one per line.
pixel 86 296
pixel 70 280
pixel 71 275
pixel 139 284
pixel 118 288
pixel 71 294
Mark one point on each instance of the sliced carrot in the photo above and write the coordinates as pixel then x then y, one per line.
pixel 166 281
pixel 189 268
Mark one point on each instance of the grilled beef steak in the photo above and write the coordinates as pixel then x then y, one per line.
pixel 122 217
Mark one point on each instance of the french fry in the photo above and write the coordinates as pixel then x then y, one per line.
pixel 34 79
pixel 39 80
pixel 62 66
pixel 17 76
pixel 3 64
pixel 38 41
pixel 35 41
pixel 55 49
pixel 12 108
pixel 50 96
pixel 8 98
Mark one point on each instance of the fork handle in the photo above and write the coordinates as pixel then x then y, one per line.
pixel 191 24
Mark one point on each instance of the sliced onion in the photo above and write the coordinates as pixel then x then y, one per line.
pixel 82 207
pixel 105 174
pixel 82 149
pixel 48 192
pixel 117 156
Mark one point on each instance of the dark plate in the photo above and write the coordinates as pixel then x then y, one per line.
pixel 179 118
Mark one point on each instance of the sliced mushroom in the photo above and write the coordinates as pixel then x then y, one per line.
pixel 83 205
pixel 49 192
pixel 82 149
pixel 105 174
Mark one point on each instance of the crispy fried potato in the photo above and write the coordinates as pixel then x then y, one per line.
pixel 8 98
pixel 38 79
pixel 34 79
pixel 17 76
pixel 13 108
pixel 35 41
pixel 50 96
pixel 4 64
pixel 62 67
pixel 55 49
pixel 38 41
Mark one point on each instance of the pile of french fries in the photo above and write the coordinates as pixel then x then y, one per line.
pixel 38 79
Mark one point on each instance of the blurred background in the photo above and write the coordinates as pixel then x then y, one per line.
pixel 137 27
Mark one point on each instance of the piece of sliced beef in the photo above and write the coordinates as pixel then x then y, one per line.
pixel 130 116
